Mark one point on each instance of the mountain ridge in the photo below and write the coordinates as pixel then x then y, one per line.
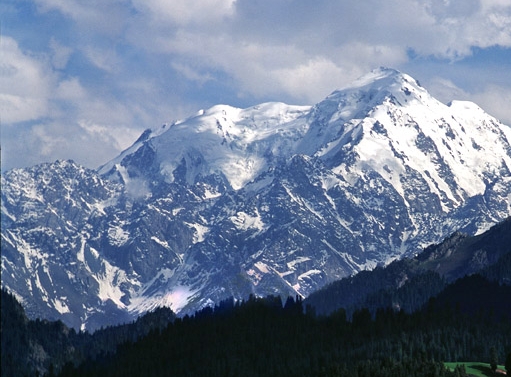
pixel 272 199
pixel 409 283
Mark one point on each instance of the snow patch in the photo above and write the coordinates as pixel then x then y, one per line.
pixel 110 281
pixel 244 221
pixel 291 265
pixel 176 299
pixel 61 306
pixel 258 272
pixel 160 242
pixel 118 236
pixel 200 232
pixel 262 267
pixel 176 211
pixel 80 256
pixel 211 193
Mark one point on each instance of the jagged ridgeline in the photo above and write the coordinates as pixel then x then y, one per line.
pixel 269 200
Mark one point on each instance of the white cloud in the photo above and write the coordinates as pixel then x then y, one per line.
pixel 118 137
pixel 267 43
pixel 160 60
pixel 25 84
pixel 70 90
pixel 464 24
pixel 182 12
pixel 253 42
pixel 493 99
pixel 94 17
pixel 102 58
pixel 312 80
pixel 45 116
pixel 496 101
pixel 188 71
pixel 71 8
pixel 445 90
pixel 60 54
pixel 46 142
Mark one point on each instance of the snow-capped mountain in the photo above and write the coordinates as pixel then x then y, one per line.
pixel 273 199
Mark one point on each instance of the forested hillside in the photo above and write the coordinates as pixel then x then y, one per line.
pixel 265 337
pixel 260 337
pixel 409 283
pixel 407 319
pixel 32 348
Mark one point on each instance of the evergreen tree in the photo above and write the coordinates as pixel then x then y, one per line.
pixel 494 359
pixel 460 371
pixel 508 363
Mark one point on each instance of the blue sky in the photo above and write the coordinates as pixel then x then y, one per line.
pixel 82 79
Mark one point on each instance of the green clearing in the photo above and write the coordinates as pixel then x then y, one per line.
pixel 477 369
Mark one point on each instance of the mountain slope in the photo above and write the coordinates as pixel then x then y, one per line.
pixel 32 348
pixel 410 282
pixel 273 199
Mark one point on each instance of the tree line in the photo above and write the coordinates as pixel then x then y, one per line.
pixel 266 337
pixel 271 337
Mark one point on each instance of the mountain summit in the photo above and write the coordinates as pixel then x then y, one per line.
pixel 272 199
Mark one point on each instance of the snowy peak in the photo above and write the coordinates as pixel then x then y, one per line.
pixel 239 144
pixel 370 91
pixel 387 123
pixel 338 115
pixel 235 143
pixel 384 79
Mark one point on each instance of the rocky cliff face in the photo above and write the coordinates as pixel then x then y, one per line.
pixel 273 199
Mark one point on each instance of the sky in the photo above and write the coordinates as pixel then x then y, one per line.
pixel 82 79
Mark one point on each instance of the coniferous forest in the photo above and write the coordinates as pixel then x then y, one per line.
pixel 268 337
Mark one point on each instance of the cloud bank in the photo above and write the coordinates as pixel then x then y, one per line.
pixel 86 77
